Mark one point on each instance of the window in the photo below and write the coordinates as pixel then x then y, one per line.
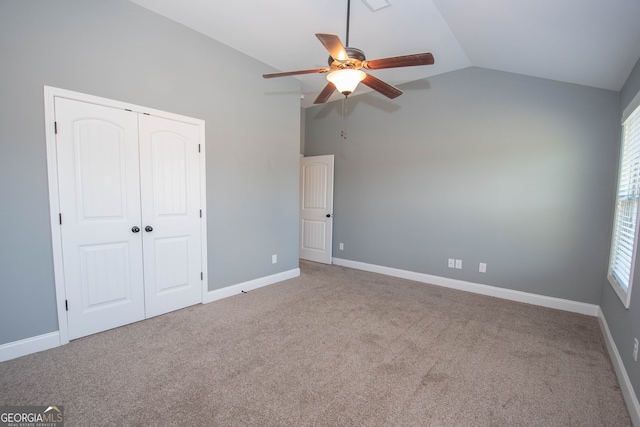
pixel 625 225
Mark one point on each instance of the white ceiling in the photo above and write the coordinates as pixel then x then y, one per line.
pixel 588 42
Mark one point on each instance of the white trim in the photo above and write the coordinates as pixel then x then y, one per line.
pixel 26 346
pixel 50 93
pixel 51 340
pixel 623 378
pixel 250 285
pixel 508 294
pixel 635 103
pixel 106 102
pixel 43 342
pixel 54 209
pixel 204 263
pixel 625 297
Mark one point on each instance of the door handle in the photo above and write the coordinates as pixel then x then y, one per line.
pixel 148 229
pixel 135 229
pixel 328 215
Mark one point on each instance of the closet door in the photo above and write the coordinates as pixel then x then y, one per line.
pixel 99 197
pixel 170 189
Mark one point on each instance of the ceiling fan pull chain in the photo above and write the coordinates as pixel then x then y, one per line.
pixel 343 133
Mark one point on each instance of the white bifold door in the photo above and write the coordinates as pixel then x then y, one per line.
pixel 130 215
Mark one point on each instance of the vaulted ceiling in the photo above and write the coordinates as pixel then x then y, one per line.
pixel 589 42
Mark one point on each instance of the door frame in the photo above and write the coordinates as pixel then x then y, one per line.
pixel 324 159
pixel 50 93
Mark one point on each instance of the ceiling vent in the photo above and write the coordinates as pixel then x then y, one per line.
pixel 376 5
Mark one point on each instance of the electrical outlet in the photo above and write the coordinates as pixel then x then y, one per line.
pixel 341 246
pixel 274 259
pixel 459 264
pixel 451 263
pixel 482 268
pixel 635 349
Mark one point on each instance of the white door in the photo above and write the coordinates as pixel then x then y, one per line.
pixel 316 208
pixel 99 199
pixel 170 188
pixel 130 219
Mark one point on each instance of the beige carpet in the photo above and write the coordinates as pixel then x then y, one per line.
pixel 334 347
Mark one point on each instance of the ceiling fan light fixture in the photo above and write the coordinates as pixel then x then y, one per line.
pixel 346 80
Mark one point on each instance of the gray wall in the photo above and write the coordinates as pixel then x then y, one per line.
pixel 625 324
pixel 478 165
pixel 118 50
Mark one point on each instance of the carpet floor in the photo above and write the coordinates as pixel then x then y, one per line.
pixel 333 347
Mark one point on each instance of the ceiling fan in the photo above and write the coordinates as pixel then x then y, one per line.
pixel 346 65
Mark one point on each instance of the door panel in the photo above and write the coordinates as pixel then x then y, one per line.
pixel 314 235
pixel 101 169
pixel 169 157
pixel 105 275
pixel 172 264
pixel 169 178
pixel 316 208
pixel 98 179
pixel 315 184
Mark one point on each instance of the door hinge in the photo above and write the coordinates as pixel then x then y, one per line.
pixel 198 148
pixel 55 127
pixel 66 304
pixel 200 213
pixel 60 218
pixel 201 275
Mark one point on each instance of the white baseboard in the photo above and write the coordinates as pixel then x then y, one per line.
pixel 561 304
pixel 228 291
pixel 38 343
pixel 29 345
pixel 625 383
pixel 508 294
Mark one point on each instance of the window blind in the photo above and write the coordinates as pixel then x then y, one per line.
pixel 626 213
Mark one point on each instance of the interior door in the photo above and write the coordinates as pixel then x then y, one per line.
pixel 170 188
pixel 99 199
pixel 316 208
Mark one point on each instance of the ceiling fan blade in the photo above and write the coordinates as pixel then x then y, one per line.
pixel 399 61
pixel 384 88
pixel 294 73
pixel 332 43
pixel 325 94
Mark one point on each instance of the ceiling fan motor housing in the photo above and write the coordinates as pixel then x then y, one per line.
pixel 356 57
